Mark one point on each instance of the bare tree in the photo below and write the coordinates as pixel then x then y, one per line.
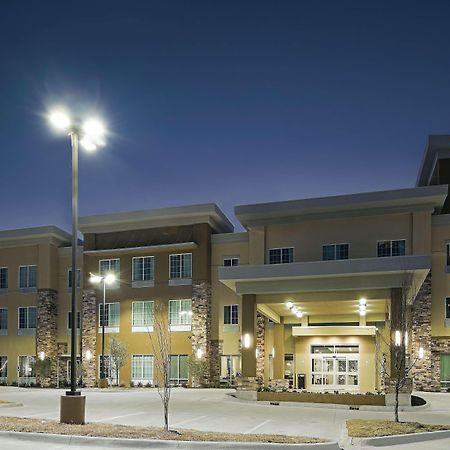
pixel 198 369
pixel 397 369
pixel 162 346
pixel 119 355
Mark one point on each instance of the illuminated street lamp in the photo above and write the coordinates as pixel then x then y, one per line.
pixel 106 279
pixel 91 133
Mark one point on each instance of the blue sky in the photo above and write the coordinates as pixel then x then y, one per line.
pixel 230 102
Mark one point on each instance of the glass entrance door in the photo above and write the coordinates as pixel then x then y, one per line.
pixel 335 367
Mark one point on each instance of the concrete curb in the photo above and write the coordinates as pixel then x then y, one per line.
pixel 387 441
pixel 10 405
pixel 146 443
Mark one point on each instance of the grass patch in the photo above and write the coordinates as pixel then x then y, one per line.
pixel 128 432
pixel 376 428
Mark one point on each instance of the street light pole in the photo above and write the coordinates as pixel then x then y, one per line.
pixel 73 346
pixel 102 368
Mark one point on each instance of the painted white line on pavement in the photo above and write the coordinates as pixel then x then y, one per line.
pixel 184 422
pixel 120 417
pixel 257 426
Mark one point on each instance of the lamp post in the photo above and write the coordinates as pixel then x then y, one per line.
pixel 91 132
pixel 104 280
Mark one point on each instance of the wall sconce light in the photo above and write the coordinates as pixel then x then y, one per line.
pixel 421 353
pixel 246 340
pixel 397 338
pixel 362 306
pixel 88 355
pixel 273 352
pixel 299 314
pixel 41 356
pixel 406 339
pixel 199 353
pixel 289 304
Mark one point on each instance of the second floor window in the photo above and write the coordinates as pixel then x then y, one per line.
pixel 447 308
pixel 27 317
pixel 110 317
pixel 230 261
pixel 391 248
pixel 107 266
pixel 281 255
pixel 3 318
pixel 69 278
pixel 69 320
pixel 231 314
pixel 3 278
pixel 27 277
pixel 180 312
pixel 142 314
pixel 143 268
pixel 334 251
pixel 181 265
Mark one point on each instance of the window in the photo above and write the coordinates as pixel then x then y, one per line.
pixel 142 316
pixel 3 321
pixel 143 268
pixel 445 370
pixel 3 367
pixel 281 255
pixel 180 315
pixel 179 369
pixel 111 316
pixel 334 251
pixel 107 368
pixel 69 278
pixel 391 248
pixel 448 254
pixel 142 369
pixel 231 261
pixel 230 366
pixel 69 320
pixel 27 277
pixel 181 265
pixel 27 365
pixel 27 317
pixel 231 314
pixel 447 307
pixel 110 266
pixel 3 278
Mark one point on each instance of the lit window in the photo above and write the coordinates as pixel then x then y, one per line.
pixel 142 314
pixel 281 255
pixel 180 312
pixel 142 369
pixel 179 372
pixel 110 266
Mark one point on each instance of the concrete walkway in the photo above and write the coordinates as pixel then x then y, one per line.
pixel 211 410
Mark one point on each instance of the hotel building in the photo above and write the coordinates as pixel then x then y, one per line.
pixel 308 293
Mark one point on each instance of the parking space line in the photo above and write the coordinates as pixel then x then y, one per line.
pixel 183 422
pixel 120 417
pixel 257 426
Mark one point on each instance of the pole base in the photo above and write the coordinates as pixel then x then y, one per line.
pixel 102 383
pixel 73 409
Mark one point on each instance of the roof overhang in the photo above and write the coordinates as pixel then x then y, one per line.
pixel 322 276
pixel 30 236
pixel 208 213
pixel 334 331
pixel 438 147
pixel 369 203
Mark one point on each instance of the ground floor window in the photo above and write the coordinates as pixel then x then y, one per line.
pixel 335 367
pixel 445 371
pixel 289 368
pixel 230 366
pixel 27 369
pixel 142 369
pixel 69 370
pixel 179 372
pixel 3 369
pixel 109 373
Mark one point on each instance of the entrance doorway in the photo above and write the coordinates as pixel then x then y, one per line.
pixel 335 367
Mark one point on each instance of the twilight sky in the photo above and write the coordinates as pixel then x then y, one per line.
pixel 230 102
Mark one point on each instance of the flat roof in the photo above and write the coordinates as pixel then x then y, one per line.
pixel 160 217
pixel 36 232
pixel 437 147
pixel 379 202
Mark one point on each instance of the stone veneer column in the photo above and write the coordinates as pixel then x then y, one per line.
pixel 89 337
pixel 260 346
pixel 201 322
pixel 425 374
pixel 216 350
pixel 46 333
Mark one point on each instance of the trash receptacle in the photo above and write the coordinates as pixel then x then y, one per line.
pixel 300 381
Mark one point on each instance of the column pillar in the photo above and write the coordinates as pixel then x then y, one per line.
pixel 89 337
pixel 278 361
pixel 260 346
pixel 46 337
pixel 248 329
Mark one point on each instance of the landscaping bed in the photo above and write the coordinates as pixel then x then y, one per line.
pixel 319 397
pixel 359 428
pixel 128 432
